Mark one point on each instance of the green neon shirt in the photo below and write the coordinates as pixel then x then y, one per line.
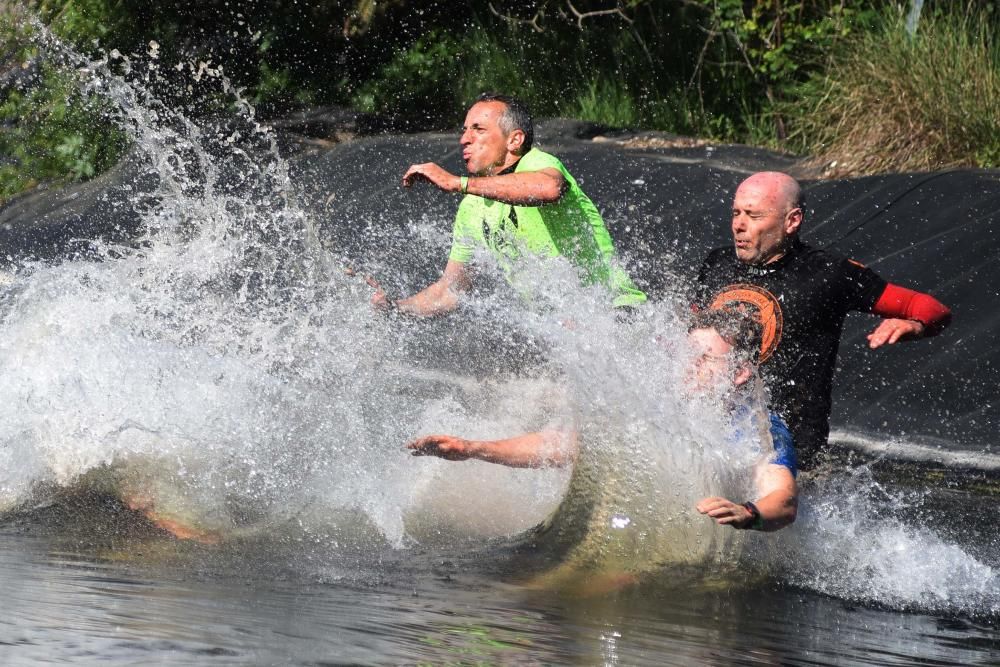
pixel 571 227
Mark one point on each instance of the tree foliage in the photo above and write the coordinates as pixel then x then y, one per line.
pixel 732 70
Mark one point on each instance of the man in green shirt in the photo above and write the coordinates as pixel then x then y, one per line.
pixel 518 200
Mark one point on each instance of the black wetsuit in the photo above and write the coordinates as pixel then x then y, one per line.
pixel 802 299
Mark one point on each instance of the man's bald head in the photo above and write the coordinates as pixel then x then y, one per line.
pixel 767 213
pixel 780 188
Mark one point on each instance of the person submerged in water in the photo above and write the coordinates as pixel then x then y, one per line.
pixel 726 345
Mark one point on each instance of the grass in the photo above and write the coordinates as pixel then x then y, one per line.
pixel 889 102
pixel 607 102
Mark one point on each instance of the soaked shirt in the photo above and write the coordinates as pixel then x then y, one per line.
pixel 784 444
pixel 801 299
pixel 781 437
pixel 571 227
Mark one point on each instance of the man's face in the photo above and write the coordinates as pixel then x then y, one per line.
pixel 713 370
pixel 711 367
pixel 763 223
pixel 485 148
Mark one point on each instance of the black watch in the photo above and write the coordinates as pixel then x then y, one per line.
pixel 756 522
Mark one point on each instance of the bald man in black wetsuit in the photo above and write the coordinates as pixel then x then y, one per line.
pixel 802 295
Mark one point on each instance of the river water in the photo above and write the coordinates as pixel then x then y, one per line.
pixel 222 371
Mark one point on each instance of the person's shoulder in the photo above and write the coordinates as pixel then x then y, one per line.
pixel 778 424
pixel 536 159
pixel 818 258
pixel 829 260
pixel 784 443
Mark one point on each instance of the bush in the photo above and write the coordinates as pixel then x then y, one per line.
pixel 54 134
pixel 892 102
pixel 417 89
pixel 49 130
pixel 703 67
pixel 590 73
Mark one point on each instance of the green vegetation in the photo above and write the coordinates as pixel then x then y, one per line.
pixel 892 102
pixel 49 129
pixel 53 135
pixel 839 79
pixel 605 101
pixel 417 89
pixel 611 71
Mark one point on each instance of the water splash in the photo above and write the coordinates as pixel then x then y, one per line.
pixel 209 348
pixel 859 540
pixel 222 361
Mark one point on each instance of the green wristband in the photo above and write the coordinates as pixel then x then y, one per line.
pixel 464 184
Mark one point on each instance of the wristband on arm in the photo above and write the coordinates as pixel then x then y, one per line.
pixel 756 521
pixel 463 182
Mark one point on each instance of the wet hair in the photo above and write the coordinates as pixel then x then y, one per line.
pixel 515 117
pixel 739 328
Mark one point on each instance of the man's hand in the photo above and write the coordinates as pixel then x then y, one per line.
pixel 724 512
pixel 379 300
pixel 894 330
pixel 443 446
pixel 434 174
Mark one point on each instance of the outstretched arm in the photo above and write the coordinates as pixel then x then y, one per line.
pixel 542 449
pixel 909 315
pixel 527 188
pixel 437 298
pixel 777 504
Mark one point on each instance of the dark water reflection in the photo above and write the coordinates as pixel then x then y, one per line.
pixel 152 600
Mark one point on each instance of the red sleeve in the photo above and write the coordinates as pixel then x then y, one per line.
pixel 907 304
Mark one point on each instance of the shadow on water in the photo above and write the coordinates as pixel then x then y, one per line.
pixel 218 369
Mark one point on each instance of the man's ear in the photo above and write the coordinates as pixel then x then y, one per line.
pixel 792 221
pixel 743 374
pixel 514 142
